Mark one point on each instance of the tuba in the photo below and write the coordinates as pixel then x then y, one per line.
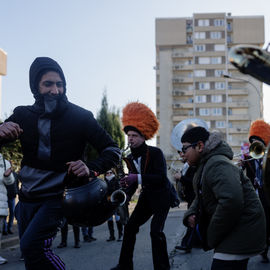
pixel 180 129
pixel 89 204
pixel 251 60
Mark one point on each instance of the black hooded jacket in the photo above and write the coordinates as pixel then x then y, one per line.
pixel 55 132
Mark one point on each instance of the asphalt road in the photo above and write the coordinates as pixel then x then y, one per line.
pixel 102 255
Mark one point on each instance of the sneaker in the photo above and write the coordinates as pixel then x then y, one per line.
pixel 62 245
pixel 21 258
pixel 112 238
pixel 120 238
pixel 265 259
pixel 3 260
pixel 183 248
pixel 92 238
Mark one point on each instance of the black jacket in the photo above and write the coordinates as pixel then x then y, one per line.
pixel 155 184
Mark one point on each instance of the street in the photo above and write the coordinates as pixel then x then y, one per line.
pixel 103 255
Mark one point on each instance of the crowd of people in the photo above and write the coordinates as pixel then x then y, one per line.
pixel 227 210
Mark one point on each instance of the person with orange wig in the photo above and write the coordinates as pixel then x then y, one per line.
pixel 147 167
pixel 259 132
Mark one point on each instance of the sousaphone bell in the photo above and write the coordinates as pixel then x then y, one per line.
pixel 90 204
pixel 180 129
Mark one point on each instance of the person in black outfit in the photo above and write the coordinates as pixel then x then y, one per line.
pixel 147 167
pixel 259 132
pixel 64 235
pixel 188 195
pixel 53 133
pixel 113 184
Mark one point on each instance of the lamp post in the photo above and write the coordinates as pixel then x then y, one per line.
pixel 247 81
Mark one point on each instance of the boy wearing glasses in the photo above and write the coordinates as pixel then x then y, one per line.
pixel 225 202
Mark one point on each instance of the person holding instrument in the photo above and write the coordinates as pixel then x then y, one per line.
pixel 53 133
pixel 259 133
pixel 147 167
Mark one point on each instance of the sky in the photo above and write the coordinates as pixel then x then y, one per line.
pixel 102 45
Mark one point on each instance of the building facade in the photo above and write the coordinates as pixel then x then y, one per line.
pixel 3 72
pixel 191 61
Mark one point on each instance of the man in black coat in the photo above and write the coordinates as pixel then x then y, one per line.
pixel 147 167
pixel 53 133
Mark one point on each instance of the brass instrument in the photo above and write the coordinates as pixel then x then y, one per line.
pixel 251 60
pixel 181 127
pixel 255 61
pixel 257 150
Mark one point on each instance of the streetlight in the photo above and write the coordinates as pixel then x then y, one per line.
pixel 228 76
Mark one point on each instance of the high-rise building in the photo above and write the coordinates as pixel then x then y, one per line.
pixel 191 61
pixel 3 71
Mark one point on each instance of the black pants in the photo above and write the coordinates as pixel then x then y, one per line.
pixel 64 233
pixel 140 215
pixel 229 265
pixel 38 224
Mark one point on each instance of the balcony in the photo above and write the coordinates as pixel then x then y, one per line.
pixel 182 80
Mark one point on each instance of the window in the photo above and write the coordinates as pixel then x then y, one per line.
pixel 216 98
pixel 204 111
pixel 216 60
pixel 219 72
pixel 203 22
pixel 216 111
pixel 200 73
pixel 204 60
pixel 219 47
pixel 215 35
pixel 200 99
pixel 204 85
pixel 219 22
pixel 220 85
pixel 199 35
pixel 229 26
pixel 208 124
pixel 220 124
pixel 199 48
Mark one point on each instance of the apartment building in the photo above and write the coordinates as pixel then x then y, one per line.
pixel 3 71
pixel 191 61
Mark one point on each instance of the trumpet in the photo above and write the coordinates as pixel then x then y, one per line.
pixel 256 151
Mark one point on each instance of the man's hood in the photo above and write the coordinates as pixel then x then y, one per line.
pixel 39 67
pixel 215 145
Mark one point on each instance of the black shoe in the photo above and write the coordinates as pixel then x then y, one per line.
pixel 77 245
pixel 21 258
pixel 4 233
pixel 120 238
pixel 92 238
pixel 10 231
pixel 62 245
pixel 112 238
pixel 265 259
pixel 186 249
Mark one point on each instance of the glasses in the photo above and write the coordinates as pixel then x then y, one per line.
pixel 109 172
pixel 185 148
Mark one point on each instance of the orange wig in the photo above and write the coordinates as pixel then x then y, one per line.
pixel 261 129
pixel 140 117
